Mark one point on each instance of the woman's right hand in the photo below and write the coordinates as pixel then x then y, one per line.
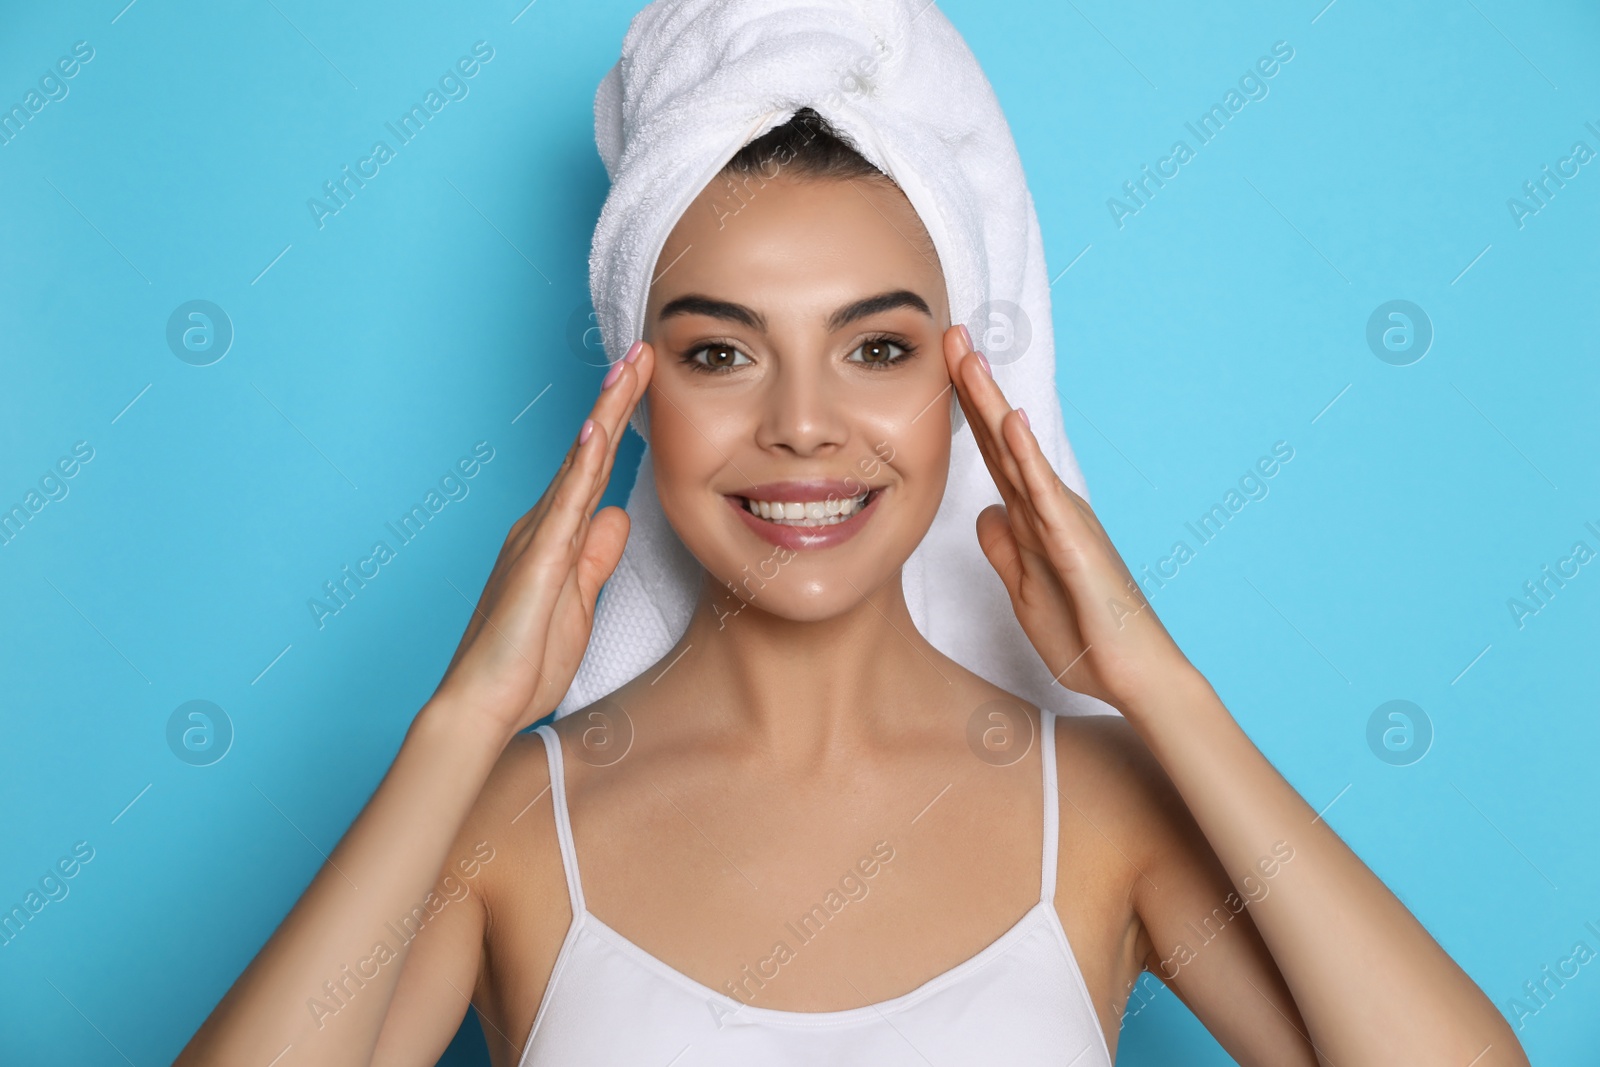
pixel 528 633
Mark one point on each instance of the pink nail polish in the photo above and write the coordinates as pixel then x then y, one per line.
pixel 611 375
pixel 1025 421
pixel 633 352
pixel 965 333
pixel 985 363
pixel 588 428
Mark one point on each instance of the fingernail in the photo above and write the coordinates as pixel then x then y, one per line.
pixel 984 361
pixel 611 375
pixel 1025 421
pixel 633 352
pixel 588 428
pixel 966 333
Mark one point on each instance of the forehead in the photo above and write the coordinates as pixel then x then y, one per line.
pixel 798 243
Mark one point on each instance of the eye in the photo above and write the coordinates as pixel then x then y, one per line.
pixel 876 352
pixel 720 357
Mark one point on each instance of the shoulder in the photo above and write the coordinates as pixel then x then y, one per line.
pixel 1106 751
pixel 1109 779
pixel 511 830
pixel 1128 847
pixel 519 776
pixel 509 841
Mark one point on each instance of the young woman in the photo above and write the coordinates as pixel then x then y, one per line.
pixel 781 844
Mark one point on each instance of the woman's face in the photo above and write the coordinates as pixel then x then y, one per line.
pixel 798 338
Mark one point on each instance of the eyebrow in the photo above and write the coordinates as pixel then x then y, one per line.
pixel 695 304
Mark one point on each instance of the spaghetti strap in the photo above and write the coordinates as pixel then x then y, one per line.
pixel 558 793
pixel 1052 805
pixel 600 976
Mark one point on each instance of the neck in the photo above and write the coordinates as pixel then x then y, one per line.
pixel 802 689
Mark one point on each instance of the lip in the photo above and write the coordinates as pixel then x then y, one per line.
pixel 798 537
pixel 804 490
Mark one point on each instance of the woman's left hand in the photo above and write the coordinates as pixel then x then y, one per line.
pixel 1075 598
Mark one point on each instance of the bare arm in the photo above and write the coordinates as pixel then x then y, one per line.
pixel 518 656
pixel 496 868
pixel 1194 929
pixel 1370 983
pixel 298 993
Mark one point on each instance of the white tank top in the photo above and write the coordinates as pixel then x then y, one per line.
pixel 1021 1001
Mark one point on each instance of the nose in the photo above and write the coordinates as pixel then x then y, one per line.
pixel 802 408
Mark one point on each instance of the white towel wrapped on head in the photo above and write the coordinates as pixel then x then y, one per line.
pixel 698 80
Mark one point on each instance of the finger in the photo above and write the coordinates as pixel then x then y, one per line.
pixel 554 542
pixel 997 537
pixel 528 585
pixel 607 415
pixel 563 510
pixel 557 520
pixel 960 359
pixel 616 402
pixel 1086 510
pixel 572 612
pixel 554 531
pixel 1002 468
pixel 985 407
pixel 1013 490
pixel 983 395
pixel 1067 524
pixel 1060 484
pixel 630 387
pixel 510 550
pixel 1000 547
pixel 602 551
pixel 517 538
pixel 531 516
pixel 611 409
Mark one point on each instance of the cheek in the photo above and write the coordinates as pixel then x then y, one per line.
pixel 913 441
pixel 923 468
pixel 689 446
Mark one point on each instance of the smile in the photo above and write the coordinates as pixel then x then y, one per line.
pixel 807 523
pixel 807 512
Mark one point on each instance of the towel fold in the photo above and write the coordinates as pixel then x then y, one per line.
pixel 698 80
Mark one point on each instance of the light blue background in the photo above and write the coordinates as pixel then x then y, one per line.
pixel 1228 314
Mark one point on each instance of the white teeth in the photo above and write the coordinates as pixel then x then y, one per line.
pixel 807 513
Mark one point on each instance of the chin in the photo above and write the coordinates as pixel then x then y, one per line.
pixel 811 600
pixel 803 584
